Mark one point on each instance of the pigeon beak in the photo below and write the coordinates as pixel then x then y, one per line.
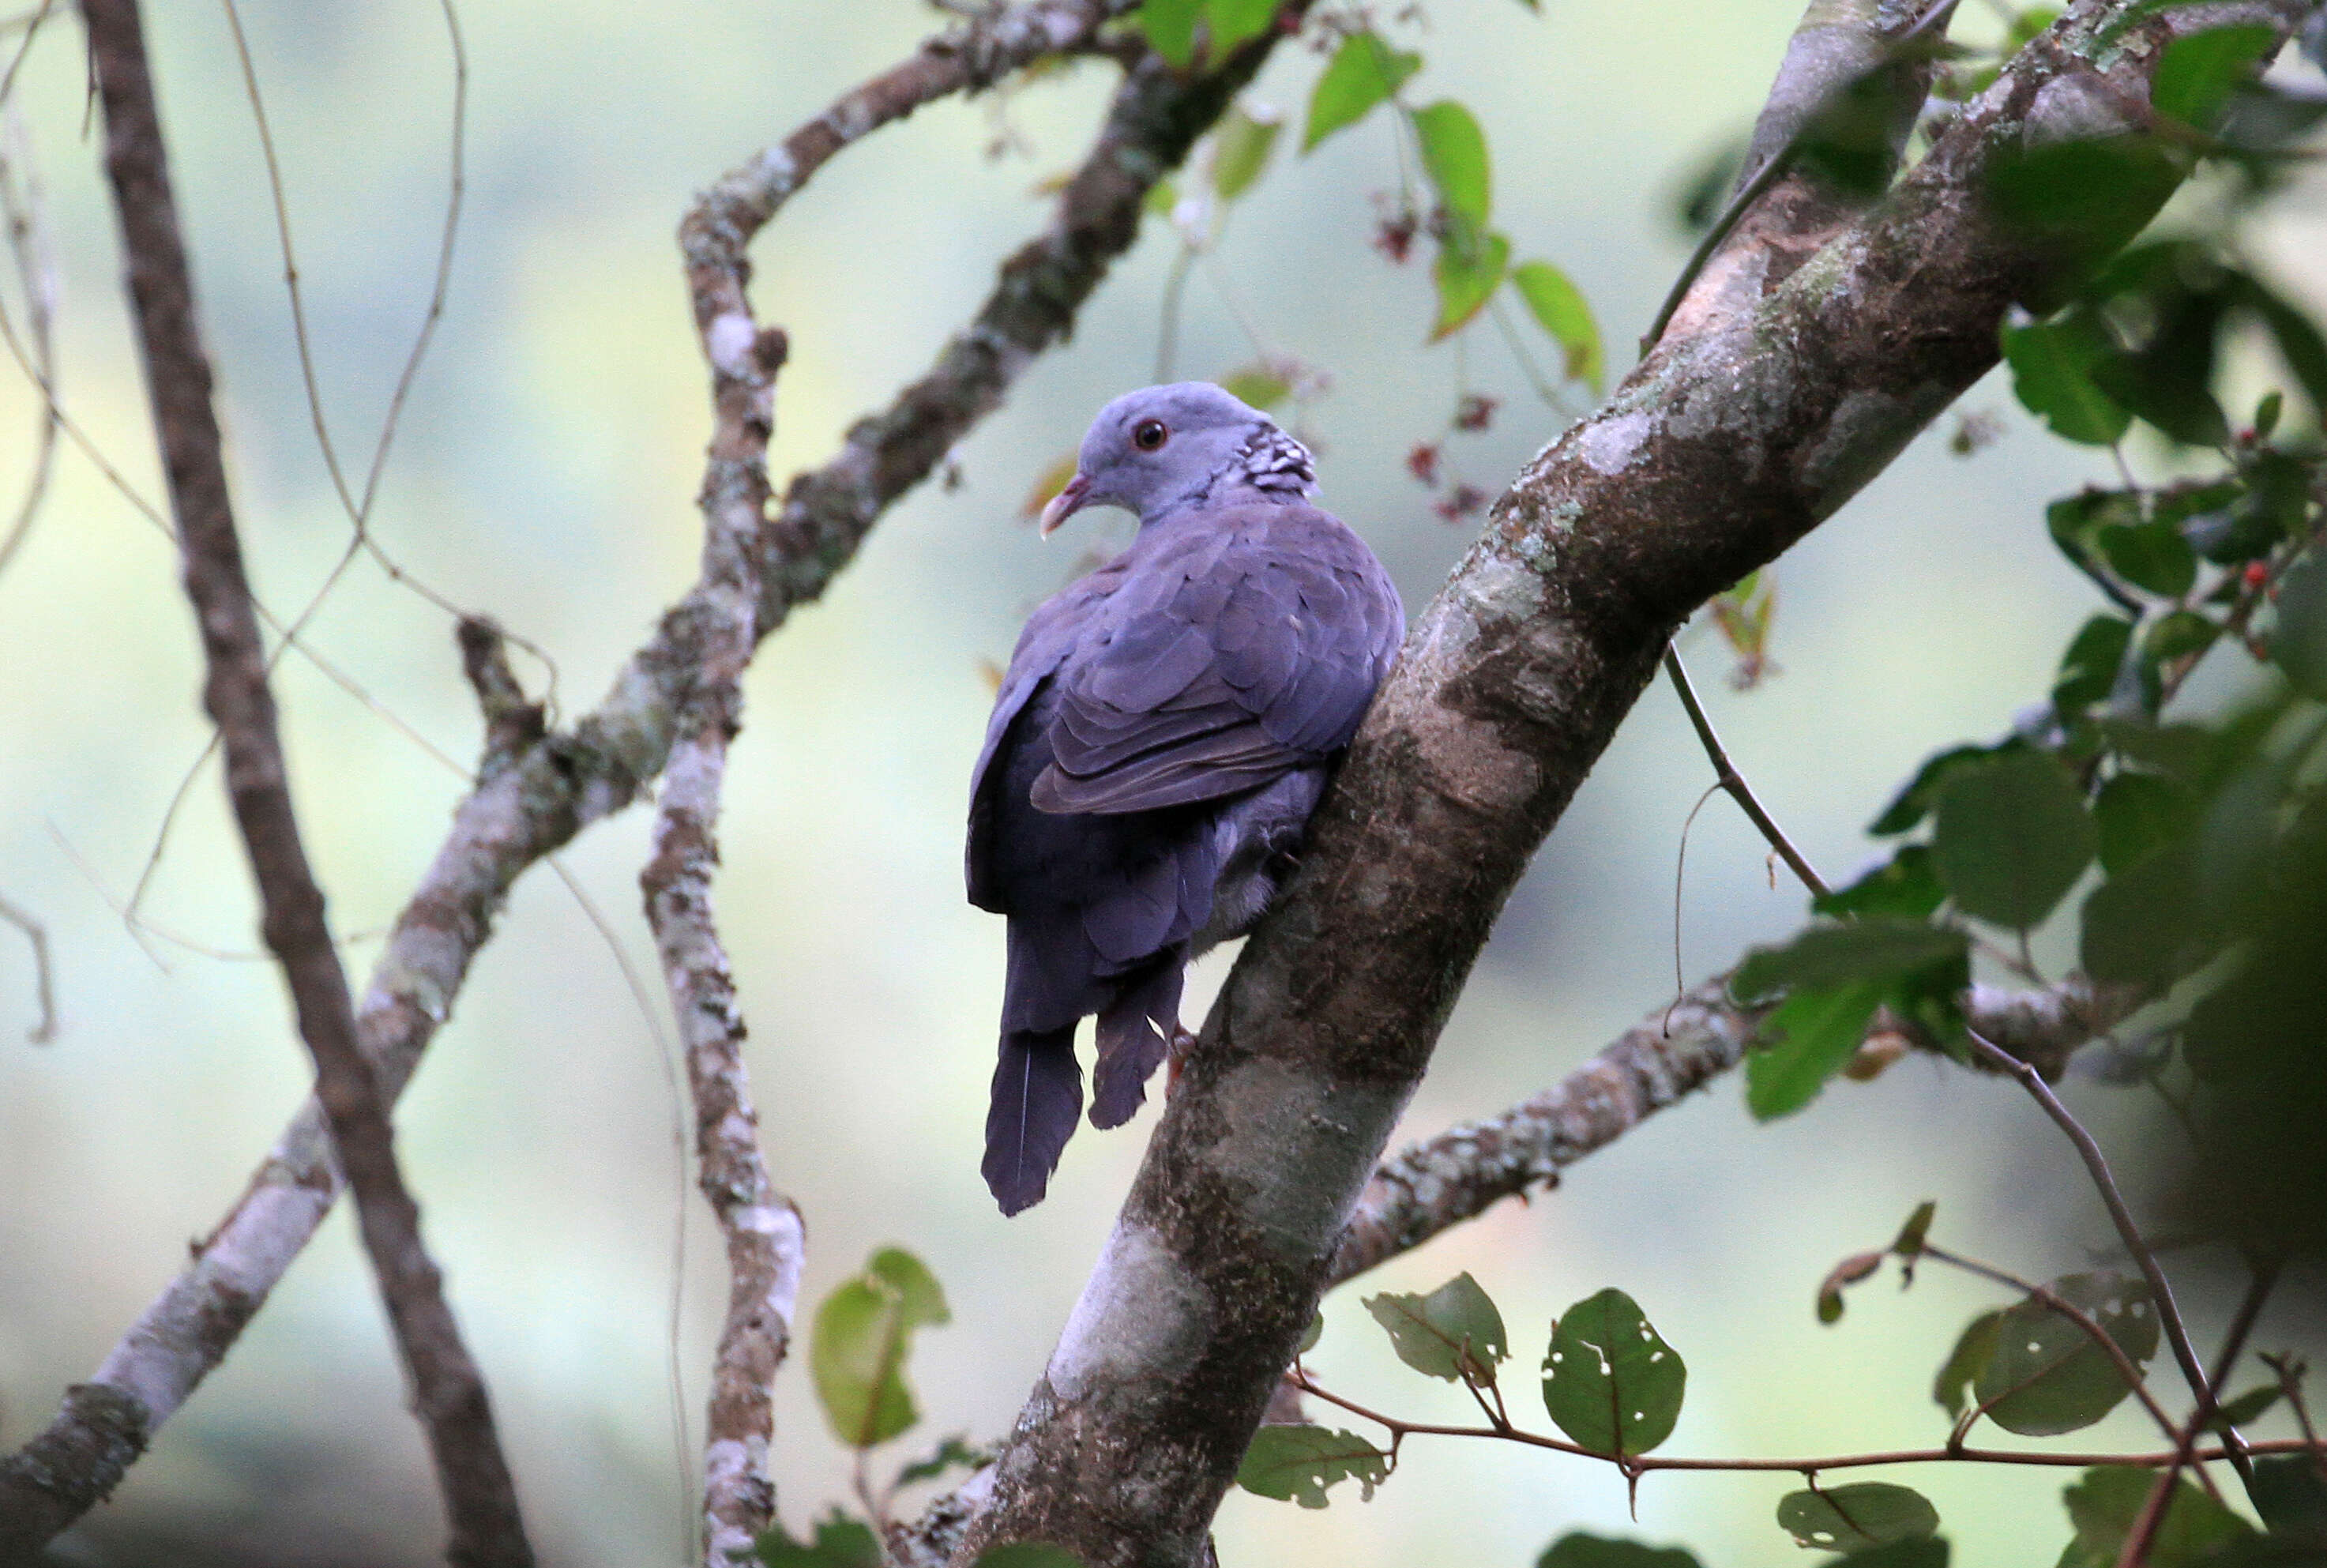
pixel 1065 504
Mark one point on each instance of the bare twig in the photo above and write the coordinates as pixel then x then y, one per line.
pixel 2177 1332
pixel 577 776
pixel 20 210
pixel 1732 780
pixel 43 975
pixel 447 1391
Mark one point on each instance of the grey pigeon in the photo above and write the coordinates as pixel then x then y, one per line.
pixel 1163 734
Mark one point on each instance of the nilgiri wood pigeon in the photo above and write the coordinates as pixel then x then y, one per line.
pixel 1159 742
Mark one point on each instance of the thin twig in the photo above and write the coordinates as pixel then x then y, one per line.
pixel 43 975
pixel 2143 1537
pixel 28 247
pixel 1732 780
pixel 1642 1463
pixel 2177 1332
pixel 450 1397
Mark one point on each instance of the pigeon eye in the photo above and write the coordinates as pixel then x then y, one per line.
pixel 1149 434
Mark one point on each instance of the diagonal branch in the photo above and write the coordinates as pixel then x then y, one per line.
pixel 1725 446
pixel 539 799
pixel 447 1392
pixel 1434 1185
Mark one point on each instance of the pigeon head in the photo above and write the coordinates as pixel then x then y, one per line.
pixel 1161 448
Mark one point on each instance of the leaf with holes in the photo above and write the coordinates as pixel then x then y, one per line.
pixel 1609 1380
pixel 1298 1464
pixel 1848 1518
pixel 2047 1376
pixel 1974 1348
pixel 1363 72
pixel 1561 310
pixel 2011 836
pixel 1453 1330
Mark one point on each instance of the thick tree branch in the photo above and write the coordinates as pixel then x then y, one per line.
pixel 557 787
pixel 447 1392
pixel 1725 447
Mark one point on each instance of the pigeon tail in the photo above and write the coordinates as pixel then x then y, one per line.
pixel 1038 1095
pixel 1133 1033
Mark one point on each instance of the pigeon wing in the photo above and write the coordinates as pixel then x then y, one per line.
pixel 1240 651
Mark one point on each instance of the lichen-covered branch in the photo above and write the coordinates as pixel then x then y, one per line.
pixel 762 1227
pixel 447 1392
pixel 1721 450
pixel 1434 1185
pixel 559 785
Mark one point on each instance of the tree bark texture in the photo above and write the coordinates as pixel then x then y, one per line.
pixel 1721 449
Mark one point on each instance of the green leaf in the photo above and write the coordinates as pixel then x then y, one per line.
pixel 2200 72
pixel 2152 556
pixel 2052 367
pixel 2291 1496
pixel 919 1297
pixel 861 1339
pixel 838 1542
pixel 1913 1235
pixel 1027 1555
pixel 1171 27
pixel 2248 1408
pixel 1913 802
pixel 1455 155
pixel 2082 200
pixel 1240 150
pixel 1813 1034
pixel 1234 21
pixel 2106 1501
pixel 1560 308
pixel 1453 1330
pixel 1916 1551
pixel 1312 1334
pixel 1578 1550
pixel 2298 644
pixel 2046 1377
pixel 1363 71
pixel 1974 1346
pixel 1467 277
pixel 1864 1514
pixel 1877 948
pixel 1297 1464
pixel 1609 1380
pixel 2138 923
pixel 2299 344
pixel 1260 384
pixel 956 1452
pixel 2010 836
pixel 2137 815
pixel 2088 670
pixel 1905 885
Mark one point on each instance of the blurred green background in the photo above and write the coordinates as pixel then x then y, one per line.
pixel 545 474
